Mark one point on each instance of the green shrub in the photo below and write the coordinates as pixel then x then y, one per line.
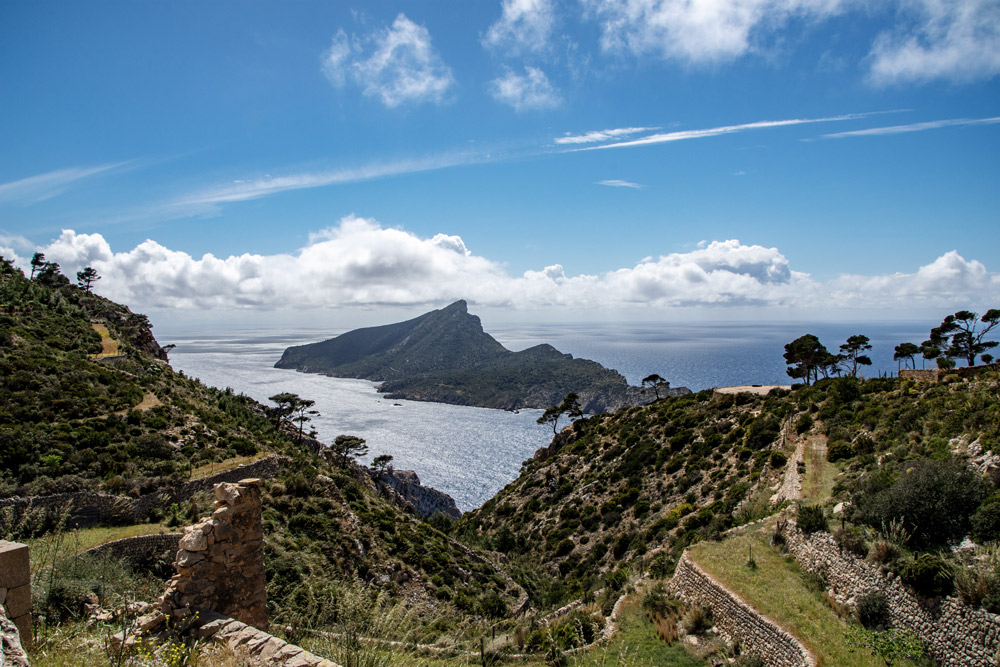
pixel 811 519
pixel 803 424
pixel 852 541
pixel 934 501
pixel 873 610
pixel 839 450
pixel 778 459
pixel 928 574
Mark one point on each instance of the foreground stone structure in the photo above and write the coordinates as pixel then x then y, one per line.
pixel 15 594
pixel 953 632
pixel 736 620
pixel 220 560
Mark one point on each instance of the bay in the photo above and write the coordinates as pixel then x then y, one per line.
pixel 471 453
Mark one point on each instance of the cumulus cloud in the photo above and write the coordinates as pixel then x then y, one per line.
pixel 711 31
pixel 397 65
pixel 957 40
pixel 359 263
pixel 523 26
pixel 528 91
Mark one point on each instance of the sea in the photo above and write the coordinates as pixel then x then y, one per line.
pixel 471 453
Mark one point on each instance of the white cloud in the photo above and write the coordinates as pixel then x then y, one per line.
pixel 682 135
pixel 618 183
pixel 397 65
pixel 45 186
pixel 523 26
pixel 951 39
pixel 359 263
pixel 913 127
pixel 707 31
pixel 602 135
pixel 530 91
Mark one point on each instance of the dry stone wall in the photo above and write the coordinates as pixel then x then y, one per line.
pixel 220 560
pixel 89 509
pixel 257 645
pixel 953 632
pixel 137 549
pixel 736 620
pixel 15 592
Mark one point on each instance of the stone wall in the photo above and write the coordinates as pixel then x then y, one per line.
pixel 137 549
pixel 938 374
pixel 90 509
pixel 736 620
pixel 220 560
pixel 953 632
pixel 11 652
pixel 15 587
pixel 425 500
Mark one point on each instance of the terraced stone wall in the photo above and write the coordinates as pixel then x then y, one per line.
pixel 953 632
pixel 736 620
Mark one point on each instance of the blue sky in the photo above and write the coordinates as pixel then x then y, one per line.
pixel 728 158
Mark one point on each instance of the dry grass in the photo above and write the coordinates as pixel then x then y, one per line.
pixel 210 469
pixel 817 484
pixel 109 346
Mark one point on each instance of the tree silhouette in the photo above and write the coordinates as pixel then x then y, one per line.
pixel 302 413
pixel 808 357
pixel 960 335
pixel 37 262
pixel 87 277
pixel 345 446
pixel 570 406
pixel 851 353
pixel 286 402
pixel 656 383
pixel 380 464
pixel 906 351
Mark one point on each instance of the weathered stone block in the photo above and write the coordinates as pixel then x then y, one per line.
pixel 193 540
pixel 18 601
pixel 15 568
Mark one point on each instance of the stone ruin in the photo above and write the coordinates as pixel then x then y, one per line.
pixel 220 560
pixel 15 603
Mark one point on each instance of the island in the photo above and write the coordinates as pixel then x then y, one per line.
pixel 445 356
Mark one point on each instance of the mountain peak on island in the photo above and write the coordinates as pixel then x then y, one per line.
pixel 446 356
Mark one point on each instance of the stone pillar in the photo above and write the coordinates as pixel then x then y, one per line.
pixel 15 587
pixel 220 561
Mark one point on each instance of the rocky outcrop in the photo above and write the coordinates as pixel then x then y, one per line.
pixel 736 620
pixel 426 501
pixel 953 632
pixel 15 598
pixel 220 560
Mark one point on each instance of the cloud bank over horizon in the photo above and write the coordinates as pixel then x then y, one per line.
pixel 359 263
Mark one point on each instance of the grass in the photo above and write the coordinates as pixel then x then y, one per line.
pixel 817 484
pixel 216 467
pixel 777 589
pixel 57 545
pixel 635 644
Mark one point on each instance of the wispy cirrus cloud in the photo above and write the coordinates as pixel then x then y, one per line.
pixel 397 65
pixel 245 190
pixel 617 183
pixel 602 135
pixel 913 127
pixel 682 135
pixel 38 188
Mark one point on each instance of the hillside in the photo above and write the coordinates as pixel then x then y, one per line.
pixel 130 426
pixel 445 356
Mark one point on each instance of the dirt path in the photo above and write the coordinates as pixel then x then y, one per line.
pixel 791 484
pixel 109 346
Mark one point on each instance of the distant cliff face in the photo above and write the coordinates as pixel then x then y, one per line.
pixel 445 356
